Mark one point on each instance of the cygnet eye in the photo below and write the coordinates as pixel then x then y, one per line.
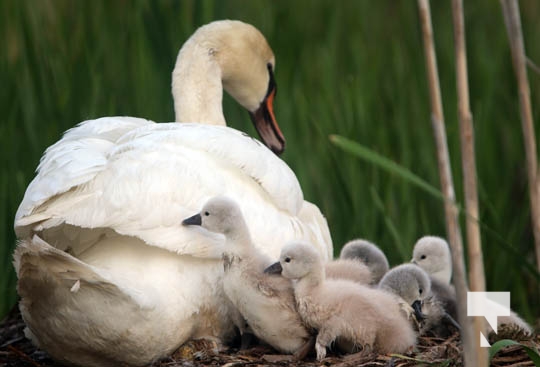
pixel 287 259
pixel 206 214
pixel 420 290
pixel 423 257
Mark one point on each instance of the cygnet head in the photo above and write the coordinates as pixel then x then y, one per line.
pixel 433 255
pixel 369 254
pixel 234 55
pixel 297 260
pixel 220 214
pixel 409 282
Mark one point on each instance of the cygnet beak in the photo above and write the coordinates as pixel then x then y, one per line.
pixel 414 261
pixel 274 269
pixel 194 220
pixel 417 307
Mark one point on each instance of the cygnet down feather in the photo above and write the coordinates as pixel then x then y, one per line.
pixel 433 255
pixel 413 286
pixel 369 254
pixel 356 314
pixel 348 269
pixel 265 301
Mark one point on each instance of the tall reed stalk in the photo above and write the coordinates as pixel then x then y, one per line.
pixel 477 279
pixel 447 186
pixel 515 35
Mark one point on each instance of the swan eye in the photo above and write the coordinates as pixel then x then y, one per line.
pixel 420 290
pixel 423 257
pixel 287 259
pixel 206 214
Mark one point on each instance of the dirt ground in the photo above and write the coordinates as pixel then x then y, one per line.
pixel 17 351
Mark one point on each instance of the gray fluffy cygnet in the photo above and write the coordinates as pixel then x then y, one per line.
pixel 413 286
pixel 369 254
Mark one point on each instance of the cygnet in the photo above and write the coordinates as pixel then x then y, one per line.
pixel 366 317
pixel 433 255
pixel 413 285
pixel 369 254
pixel 266 302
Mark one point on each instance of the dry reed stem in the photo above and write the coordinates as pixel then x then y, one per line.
pixel 477 281
pixel 445 175
pixel 515 36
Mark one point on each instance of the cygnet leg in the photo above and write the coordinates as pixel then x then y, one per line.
pixel 324 338
pixel 302 353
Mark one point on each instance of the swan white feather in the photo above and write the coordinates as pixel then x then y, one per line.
pixel 125 184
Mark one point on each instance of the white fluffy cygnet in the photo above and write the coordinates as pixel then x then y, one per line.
pixel 369 254
pixel 265 301
pixel 432 254
pixel 356 314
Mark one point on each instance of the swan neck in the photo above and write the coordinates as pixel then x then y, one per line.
pixel 196 85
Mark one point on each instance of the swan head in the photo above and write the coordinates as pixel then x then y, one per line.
pixel 296 261
pixel 432 254
pixel 411 283
pixel 239 55
pixel 220 215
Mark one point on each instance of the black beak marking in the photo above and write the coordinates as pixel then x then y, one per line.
pixel 265 121
pixel 275 268
pixel 417 307
pixel 194 220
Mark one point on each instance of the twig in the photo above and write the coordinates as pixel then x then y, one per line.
pixel 450 209
pixel 515 36
pixel 23 355
pixel 477 279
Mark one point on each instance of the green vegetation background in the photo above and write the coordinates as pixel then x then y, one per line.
pixel 353 68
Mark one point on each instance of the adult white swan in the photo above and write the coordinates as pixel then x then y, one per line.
pixel 107 273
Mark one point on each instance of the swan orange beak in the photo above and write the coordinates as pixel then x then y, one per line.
pixel 265 122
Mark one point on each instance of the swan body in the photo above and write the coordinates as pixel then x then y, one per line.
pixel 106 272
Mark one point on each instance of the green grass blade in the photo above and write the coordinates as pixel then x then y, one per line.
pixel 392 167
pixel 385 163
pixel 403 250
pixel 532 353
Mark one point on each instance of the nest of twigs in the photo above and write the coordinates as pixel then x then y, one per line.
pixel 17 351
